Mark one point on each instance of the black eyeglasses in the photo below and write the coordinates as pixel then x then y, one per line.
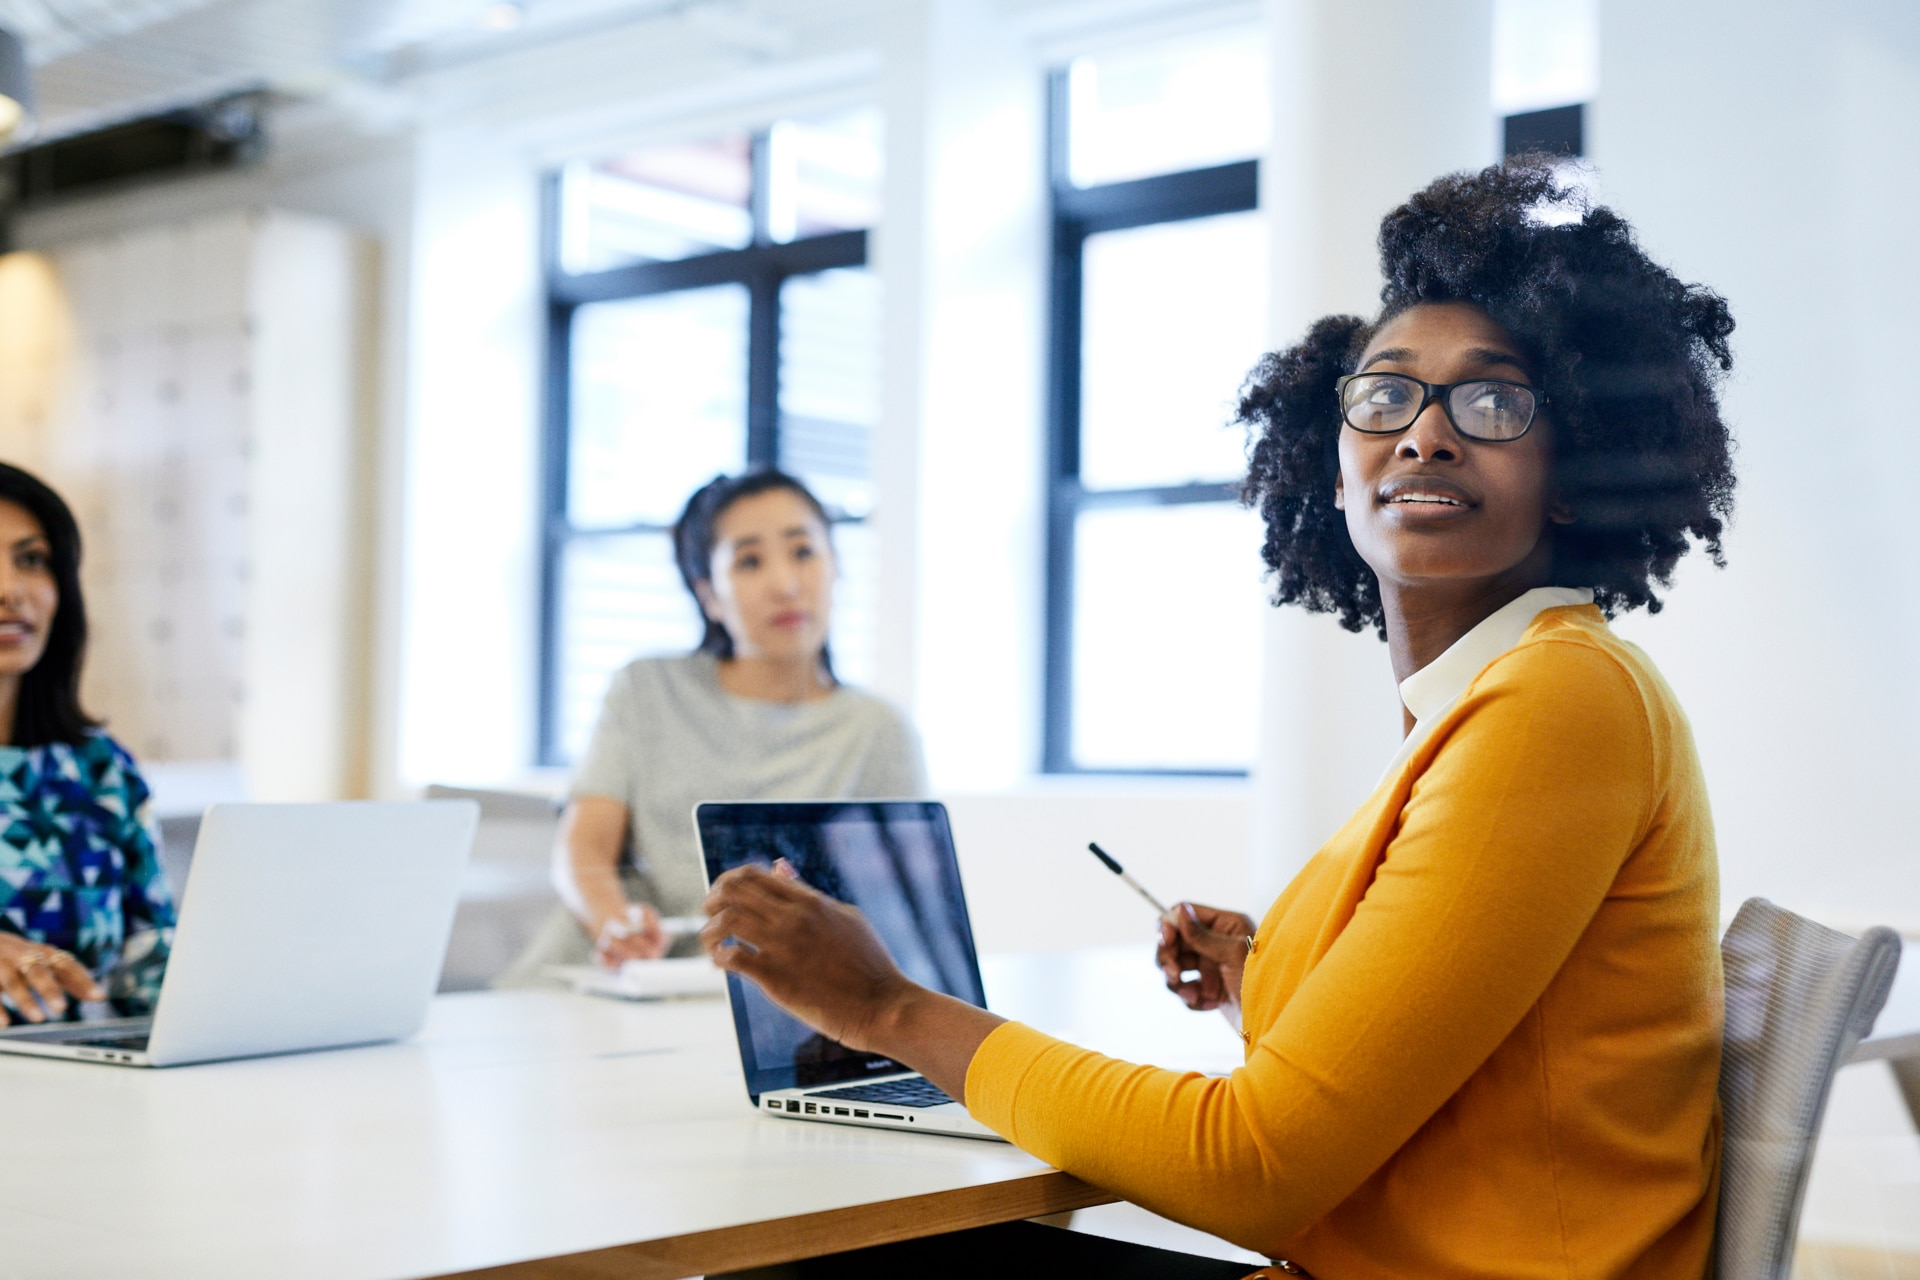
pixel 1489 409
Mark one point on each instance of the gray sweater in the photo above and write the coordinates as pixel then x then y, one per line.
pixel 669 737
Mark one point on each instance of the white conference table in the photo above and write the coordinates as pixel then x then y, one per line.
pixel 551 1135
pixel 521 1134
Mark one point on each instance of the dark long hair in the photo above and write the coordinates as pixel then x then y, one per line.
pixel 693 540
pixel 48 709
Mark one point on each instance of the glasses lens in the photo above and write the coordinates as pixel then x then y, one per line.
pixel 1380 402
pixel 1491 410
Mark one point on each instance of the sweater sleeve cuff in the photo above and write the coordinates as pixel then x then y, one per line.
pixel 999 1066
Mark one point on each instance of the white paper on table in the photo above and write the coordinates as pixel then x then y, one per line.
pixel 670 978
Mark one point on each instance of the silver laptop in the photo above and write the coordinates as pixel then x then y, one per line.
pixel 893 859
pixel 303 926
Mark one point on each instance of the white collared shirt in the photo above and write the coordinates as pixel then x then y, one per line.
pixel 1432 690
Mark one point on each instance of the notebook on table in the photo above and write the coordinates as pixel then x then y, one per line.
pixel 893 859
pixel 303 926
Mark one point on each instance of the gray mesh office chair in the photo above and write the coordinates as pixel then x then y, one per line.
pixel 1799 997
pixel 508 889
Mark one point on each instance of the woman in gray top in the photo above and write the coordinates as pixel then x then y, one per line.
pixel 754 713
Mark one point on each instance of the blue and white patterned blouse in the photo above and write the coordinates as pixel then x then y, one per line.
pixel 80 867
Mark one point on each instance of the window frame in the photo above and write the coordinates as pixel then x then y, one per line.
pixel 1075 213
pixel 763 267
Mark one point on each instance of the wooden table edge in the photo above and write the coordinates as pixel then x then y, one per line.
pixel 808 1235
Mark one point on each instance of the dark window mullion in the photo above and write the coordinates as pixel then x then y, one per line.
pixel 1063 444
pixel 729 266
pixel 1173 197
pixel 763 370
pixel 1063 512
pixel 762 268
pixel 1169 495
pixel 556 446
pixel 1076 214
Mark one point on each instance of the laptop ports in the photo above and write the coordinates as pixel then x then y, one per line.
pixel 793 1106
pixel 859 1114
pixel 811 1108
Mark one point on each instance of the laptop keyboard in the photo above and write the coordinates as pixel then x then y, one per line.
pixel 137 1043
pixel 912 1091
pixel 80 1033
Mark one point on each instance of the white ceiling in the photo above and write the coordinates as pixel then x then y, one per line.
pixel 97 61
pixel 371 64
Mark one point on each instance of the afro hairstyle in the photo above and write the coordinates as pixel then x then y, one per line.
pixel 1630 359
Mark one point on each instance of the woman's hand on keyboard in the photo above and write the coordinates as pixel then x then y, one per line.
pixel 37 979
pixel 815 957
pixel 822 962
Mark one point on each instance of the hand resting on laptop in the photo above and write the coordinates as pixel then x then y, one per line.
pixel 37 980
pixel 821 961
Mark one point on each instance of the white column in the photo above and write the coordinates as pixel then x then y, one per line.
pixel 962 255
pixel 310 298
pixel 1372 100
pixel 470 539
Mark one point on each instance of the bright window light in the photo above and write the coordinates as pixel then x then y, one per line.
pixel 823 175
pixel 1166 637
pixel 656 204
pixel 1546 53
pixel 1181 104
pixel 1174 315
pixel 659 402
pixel 624 598
pixel 830 384
pixel 673 380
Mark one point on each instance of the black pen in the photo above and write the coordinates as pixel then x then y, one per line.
pixel 1132 884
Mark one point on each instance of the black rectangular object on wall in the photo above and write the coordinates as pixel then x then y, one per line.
pixel 1557 131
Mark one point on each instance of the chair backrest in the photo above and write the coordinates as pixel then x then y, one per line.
pixel 1799 998
pixel 508 891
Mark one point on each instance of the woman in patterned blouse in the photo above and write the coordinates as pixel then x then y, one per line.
pixel 85 914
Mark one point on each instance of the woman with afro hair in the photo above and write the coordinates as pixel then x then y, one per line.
pixel 1482 1024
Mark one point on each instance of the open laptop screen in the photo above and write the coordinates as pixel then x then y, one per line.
pixel 894 860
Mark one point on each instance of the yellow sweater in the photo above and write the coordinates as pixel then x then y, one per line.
pixel 1483 1022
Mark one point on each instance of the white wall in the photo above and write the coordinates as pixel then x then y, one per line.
pixel 214 379
pixel 962 255
pixel 1033 886
pixel 365 183
pixel 1772 151
pixel 1767 149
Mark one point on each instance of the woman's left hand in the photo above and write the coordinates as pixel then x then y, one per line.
pixel 38 979
pixel 1211 945
pixel 814 957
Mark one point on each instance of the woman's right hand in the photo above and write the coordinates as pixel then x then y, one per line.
pixel 1202 953
pixel 33 975
pixel 634 935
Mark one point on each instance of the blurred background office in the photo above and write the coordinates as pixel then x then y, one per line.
pixel 377 341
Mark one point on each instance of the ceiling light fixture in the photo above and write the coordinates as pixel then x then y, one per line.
pixel 16 90
pixel 504 16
